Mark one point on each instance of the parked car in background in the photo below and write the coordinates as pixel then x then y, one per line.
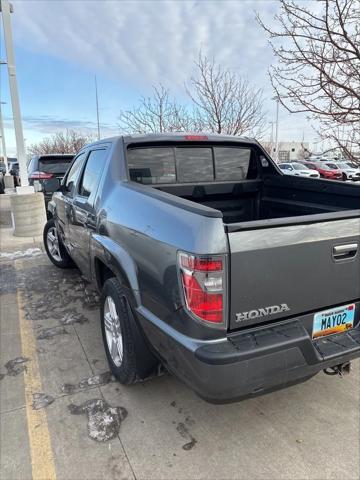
pixel 14 171
pixel 298 169
pixel 44 169
pixel 2 167
pixel 2 183
pixel 352 164
pixel 319 159
pixel 324 170
pixel 348 173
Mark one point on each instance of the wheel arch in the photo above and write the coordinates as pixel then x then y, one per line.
pixel 111 260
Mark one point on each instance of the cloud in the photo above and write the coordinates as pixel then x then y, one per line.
pixel 146 42
pixel 47 125
pixel 142 43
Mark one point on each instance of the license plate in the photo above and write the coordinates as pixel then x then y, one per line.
pixel 336 320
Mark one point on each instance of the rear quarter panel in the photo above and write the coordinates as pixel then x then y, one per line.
pixel 151 232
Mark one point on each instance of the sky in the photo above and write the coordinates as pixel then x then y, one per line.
pixel 130 46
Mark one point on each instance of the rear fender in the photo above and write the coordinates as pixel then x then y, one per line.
pixel 117 260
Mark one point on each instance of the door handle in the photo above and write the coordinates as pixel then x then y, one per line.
pixel 89 221
pixel 82 216
pixel 343 252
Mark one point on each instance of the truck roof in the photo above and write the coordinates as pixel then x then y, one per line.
pixel 175 136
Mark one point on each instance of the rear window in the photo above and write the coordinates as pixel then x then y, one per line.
pixel 194 164
pixel 152 165
pixel 232 163
pixel 157 165
pixel 55 165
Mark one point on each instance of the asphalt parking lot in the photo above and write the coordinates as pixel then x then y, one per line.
pixel 63 416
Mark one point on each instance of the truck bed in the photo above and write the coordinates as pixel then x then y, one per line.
pixel 273 197
pixel 292 241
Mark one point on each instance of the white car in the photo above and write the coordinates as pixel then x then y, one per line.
pixel 297 169
pixel 348 172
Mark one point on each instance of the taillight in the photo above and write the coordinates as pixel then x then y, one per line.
pixel 41 176
pixel 203 283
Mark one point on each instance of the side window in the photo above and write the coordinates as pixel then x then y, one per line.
pixel 232 163
pixel 92 172
pixel 74 173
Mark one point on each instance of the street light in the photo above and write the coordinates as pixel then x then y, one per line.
pixel 277 129
pixel 6 8
pixel 3 144
pixel 271 137
pixel 97 109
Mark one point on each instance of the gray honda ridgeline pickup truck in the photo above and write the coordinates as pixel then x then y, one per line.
pixel 210 261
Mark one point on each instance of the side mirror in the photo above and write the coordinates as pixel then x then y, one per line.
pixel 63 188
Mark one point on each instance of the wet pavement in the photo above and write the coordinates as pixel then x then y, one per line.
pixel 54 379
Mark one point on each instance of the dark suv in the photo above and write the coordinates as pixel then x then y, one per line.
pixel 43 169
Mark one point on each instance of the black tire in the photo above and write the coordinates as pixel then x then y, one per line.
pixel 137 362
pixel 344 177
pixel 63 260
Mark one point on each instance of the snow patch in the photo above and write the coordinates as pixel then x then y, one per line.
pixel 30 252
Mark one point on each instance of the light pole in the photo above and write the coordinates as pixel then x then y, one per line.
pixel 271 138
pixel 3 144
pixel 6 9
pixel 97 109
pixel 277 129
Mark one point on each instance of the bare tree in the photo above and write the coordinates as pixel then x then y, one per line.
pixel 344 138
pixel 158 113
pixel 224 102
pixel 68 141
pixel 318 68
pixel 304 152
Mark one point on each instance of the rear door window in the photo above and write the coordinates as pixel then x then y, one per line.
pixel 152 165
pixel 194 164
pixel 232 163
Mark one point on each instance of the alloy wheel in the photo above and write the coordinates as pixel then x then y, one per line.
pixel 52 241
pixel 113 331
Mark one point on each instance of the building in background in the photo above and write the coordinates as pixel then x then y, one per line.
pixel 289 151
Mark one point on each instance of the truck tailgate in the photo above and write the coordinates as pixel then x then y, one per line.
pixel 289 270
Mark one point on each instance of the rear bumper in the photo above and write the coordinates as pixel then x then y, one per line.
pixel 250 362
pixel 276 357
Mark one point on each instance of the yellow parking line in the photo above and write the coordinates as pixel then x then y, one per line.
pixel 42 459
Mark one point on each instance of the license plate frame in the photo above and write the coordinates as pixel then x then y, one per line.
pixel 333 320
